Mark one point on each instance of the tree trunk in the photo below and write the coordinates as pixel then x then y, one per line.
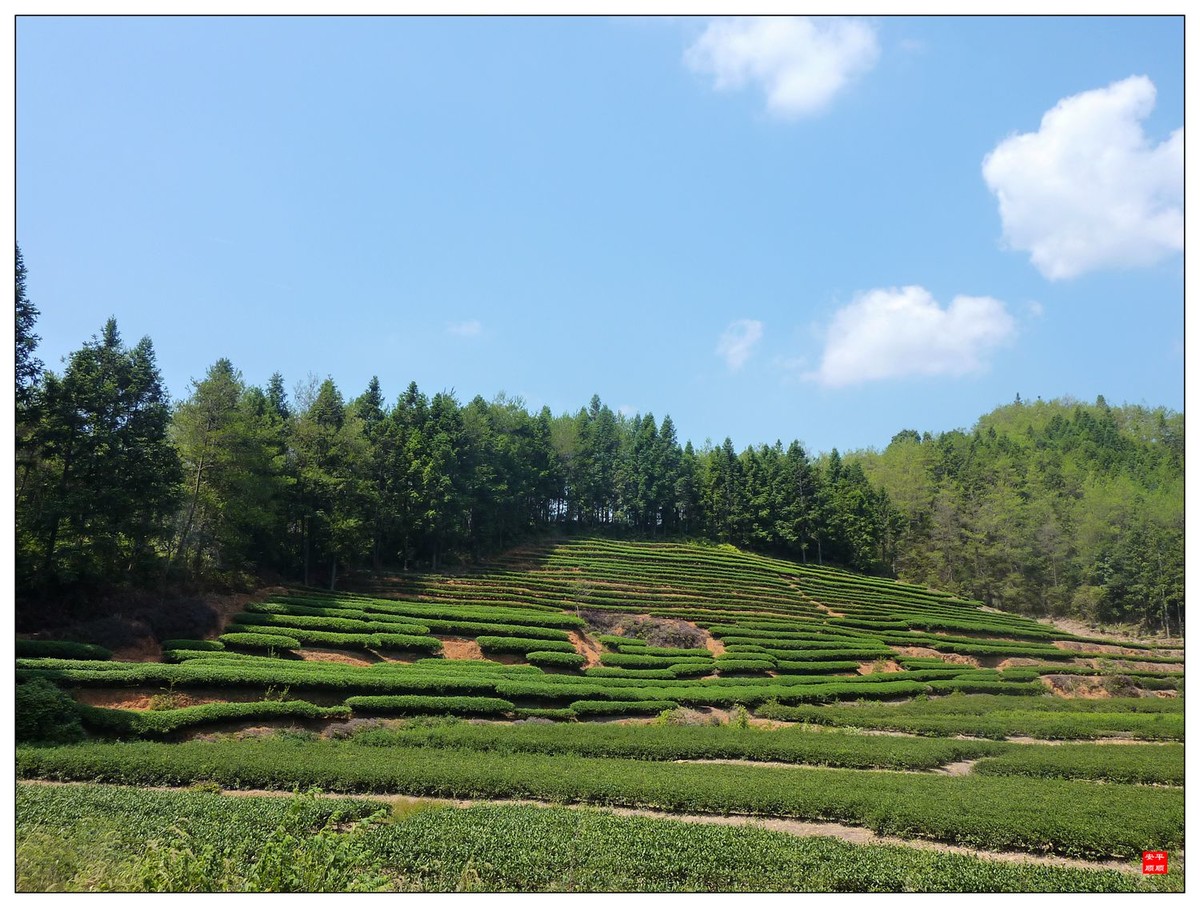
pixel 304 530
pixel 187 526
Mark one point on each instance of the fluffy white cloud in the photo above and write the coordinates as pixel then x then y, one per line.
pixel 1088 190
pixel 737 342
pixel 897 332
pixel 800 63
pixel 472 328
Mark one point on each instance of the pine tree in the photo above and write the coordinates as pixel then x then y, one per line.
pixel 112 475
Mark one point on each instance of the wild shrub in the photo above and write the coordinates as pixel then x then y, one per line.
pixel 46 714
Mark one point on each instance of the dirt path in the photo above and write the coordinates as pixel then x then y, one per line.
pixel 856 835
pixel 460 648
pixel 961 768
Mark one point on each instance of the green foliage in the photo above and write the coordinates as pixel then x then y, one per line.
pixel 45 713
pixel 667 741
pixel 429 704
pixel 732 666
pixel 1027 813
pixel 161 722
pixel 104 478
pixel 620 707
pixel 528 849
pixel 71 838
pixel 60 649
pixel 259 641
pixel 211 646
pixel 1056 507
pixel 118 839
pixel 522 645
pixel 740 718
pixel 998 716
pixel 1150 764
pixel 636 660
pixel 555 660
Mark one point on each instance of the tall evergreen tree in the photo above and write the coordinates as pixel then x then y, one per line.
pixel 28 367
pixel 111 475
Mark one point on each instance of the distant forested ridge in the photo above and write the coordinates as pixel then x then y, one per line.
pixel 1043 507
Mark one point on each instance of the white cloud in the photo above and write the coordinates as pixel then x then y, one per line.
pixel 800 63
pixel 737 342
pixel 472 328
pixel 1088 190
pixel 898 332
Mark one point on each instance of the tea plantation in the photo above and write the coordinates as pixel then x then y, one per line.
pixel 919 742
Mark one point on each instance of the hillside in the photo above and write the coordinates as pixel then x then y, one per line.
pixel 1045 507
pixel 740 684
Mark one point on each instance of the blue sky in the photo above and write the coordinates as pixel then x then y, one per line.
pixel 768 229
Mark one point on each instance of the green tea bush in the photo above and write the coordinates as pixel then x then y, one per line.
pixel 556 660
pixel 648 674
pixel 634 660
pixel 563 714
pixel 1147 764
pixel 690 669
pixel 621 707
pixel 157 723
pixel 787 667
pixel 425 704
pixel 61 649
pixel 259 641
pixel 200 646
pixel 734 666
pixel 1035 815
pixel 522 645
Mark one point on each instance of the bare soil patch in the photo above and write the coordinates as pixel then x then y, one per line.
pixel 1016 662
pixel 948 658
pixel 961 768
pixel 141 699
pixel 714 646
pixel 673 632
pixel 879 666
pixel 1076 646
pixel 586 646
pixel 1132 665
pixel 342 658
pixel 1083 629
pixel 460 648
pixel 1077 687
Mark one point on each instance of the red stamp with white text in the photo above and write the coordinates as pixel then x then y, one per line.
pixel 1154 862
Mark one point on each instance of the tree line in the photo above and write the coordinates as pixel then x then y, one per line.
pixel 1054 507
pixel 118 485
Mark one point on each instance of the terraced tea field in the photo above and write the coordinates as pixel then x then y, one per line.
pixel 602 715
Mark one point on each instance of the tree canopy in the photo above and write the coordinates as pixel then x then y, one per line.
pixel 1047 507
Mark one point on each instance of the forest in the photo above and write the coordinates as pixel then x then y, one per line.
pixel 1049 507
